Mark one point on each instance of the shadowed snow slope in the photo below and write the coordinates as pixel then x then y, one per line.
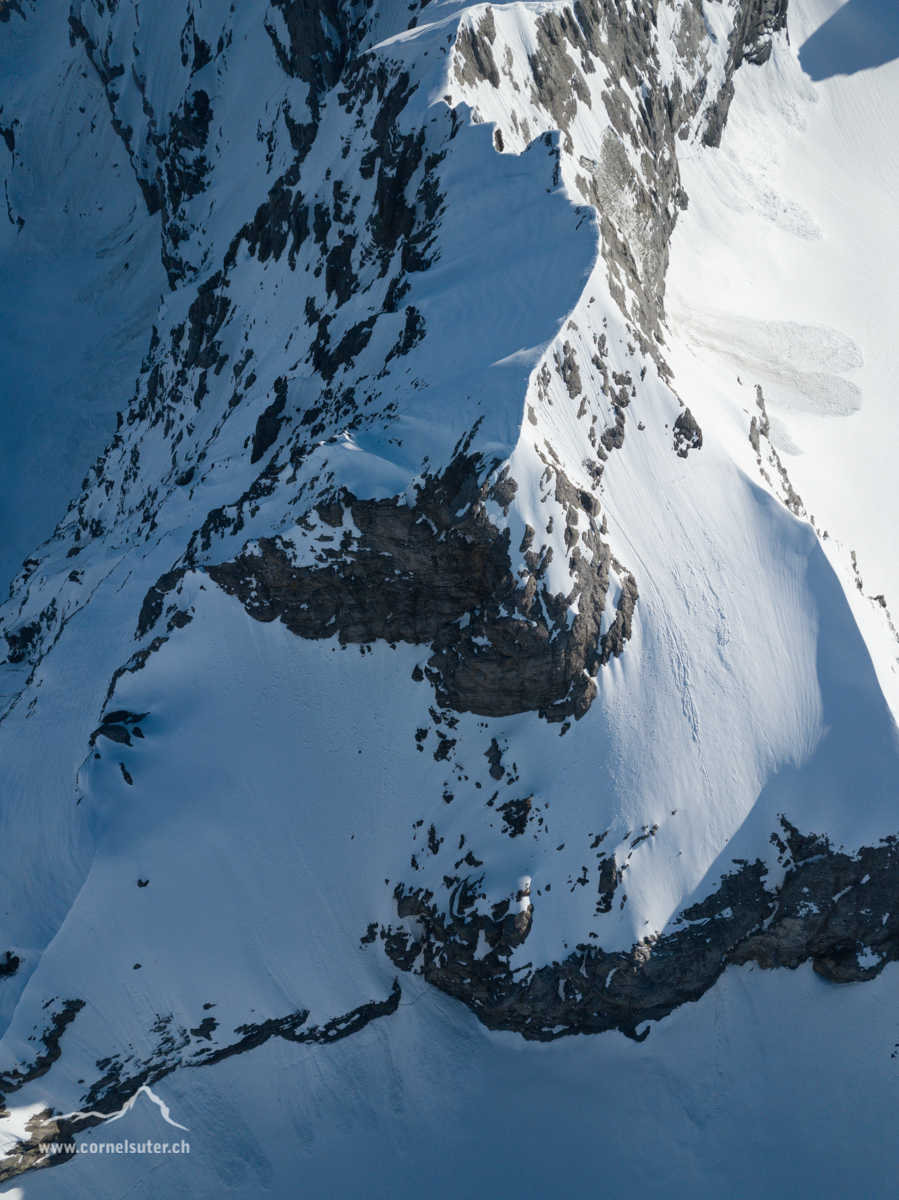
pixel 439 681
pixel 860 35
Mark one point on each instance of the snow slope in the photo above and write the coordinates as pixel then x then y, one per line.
pixel 783 273
pixel 81 275
pixel 214 881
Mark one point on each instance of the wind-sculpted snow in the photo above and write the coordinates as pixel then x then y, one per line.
pixel 420 620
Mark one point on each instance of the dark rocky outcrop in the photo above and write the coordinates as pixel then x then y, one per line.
pixel 151 609
pixel 687 434
pixel 755 24
pixel 20 641
pixel 269 424
pixel 10 6
pixel 474 52
pixel 320 38
pixel 613 640
pixel 439 573
pixel 115 726
pixel 637 216
pixel 11 1081
pixel 839 910
pixel 761 428
pixel 283 217
pixel 42 1127
pixel 515 813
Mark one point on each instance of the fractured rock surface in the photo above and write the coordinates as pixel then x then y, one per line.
pixel 425 574
pixel 839 910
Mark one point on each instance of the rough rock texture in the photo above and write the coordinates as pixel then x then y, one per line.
pixel 637 211
pixel 439 573
pixel 687 434
pixel 310 50
pixel 754 27
pixel 759 428
pixel 474 53
pixel 839 910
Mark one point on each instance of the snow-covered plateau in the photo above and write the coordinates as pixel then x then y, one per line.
pixel 448 703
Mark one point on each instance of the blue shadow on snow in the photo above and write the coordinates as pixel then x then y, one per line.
pixel 860 35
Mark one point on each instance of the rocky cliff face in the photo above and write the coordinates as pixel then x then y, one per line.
pixel 409 392
pixel 836 909
pixel 439 572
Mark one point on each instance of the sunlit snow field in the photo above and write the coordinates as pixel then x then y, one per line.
pixel 783 272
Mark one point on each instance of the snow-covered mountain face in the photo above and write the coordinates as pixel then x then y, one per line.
pixel 440 617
